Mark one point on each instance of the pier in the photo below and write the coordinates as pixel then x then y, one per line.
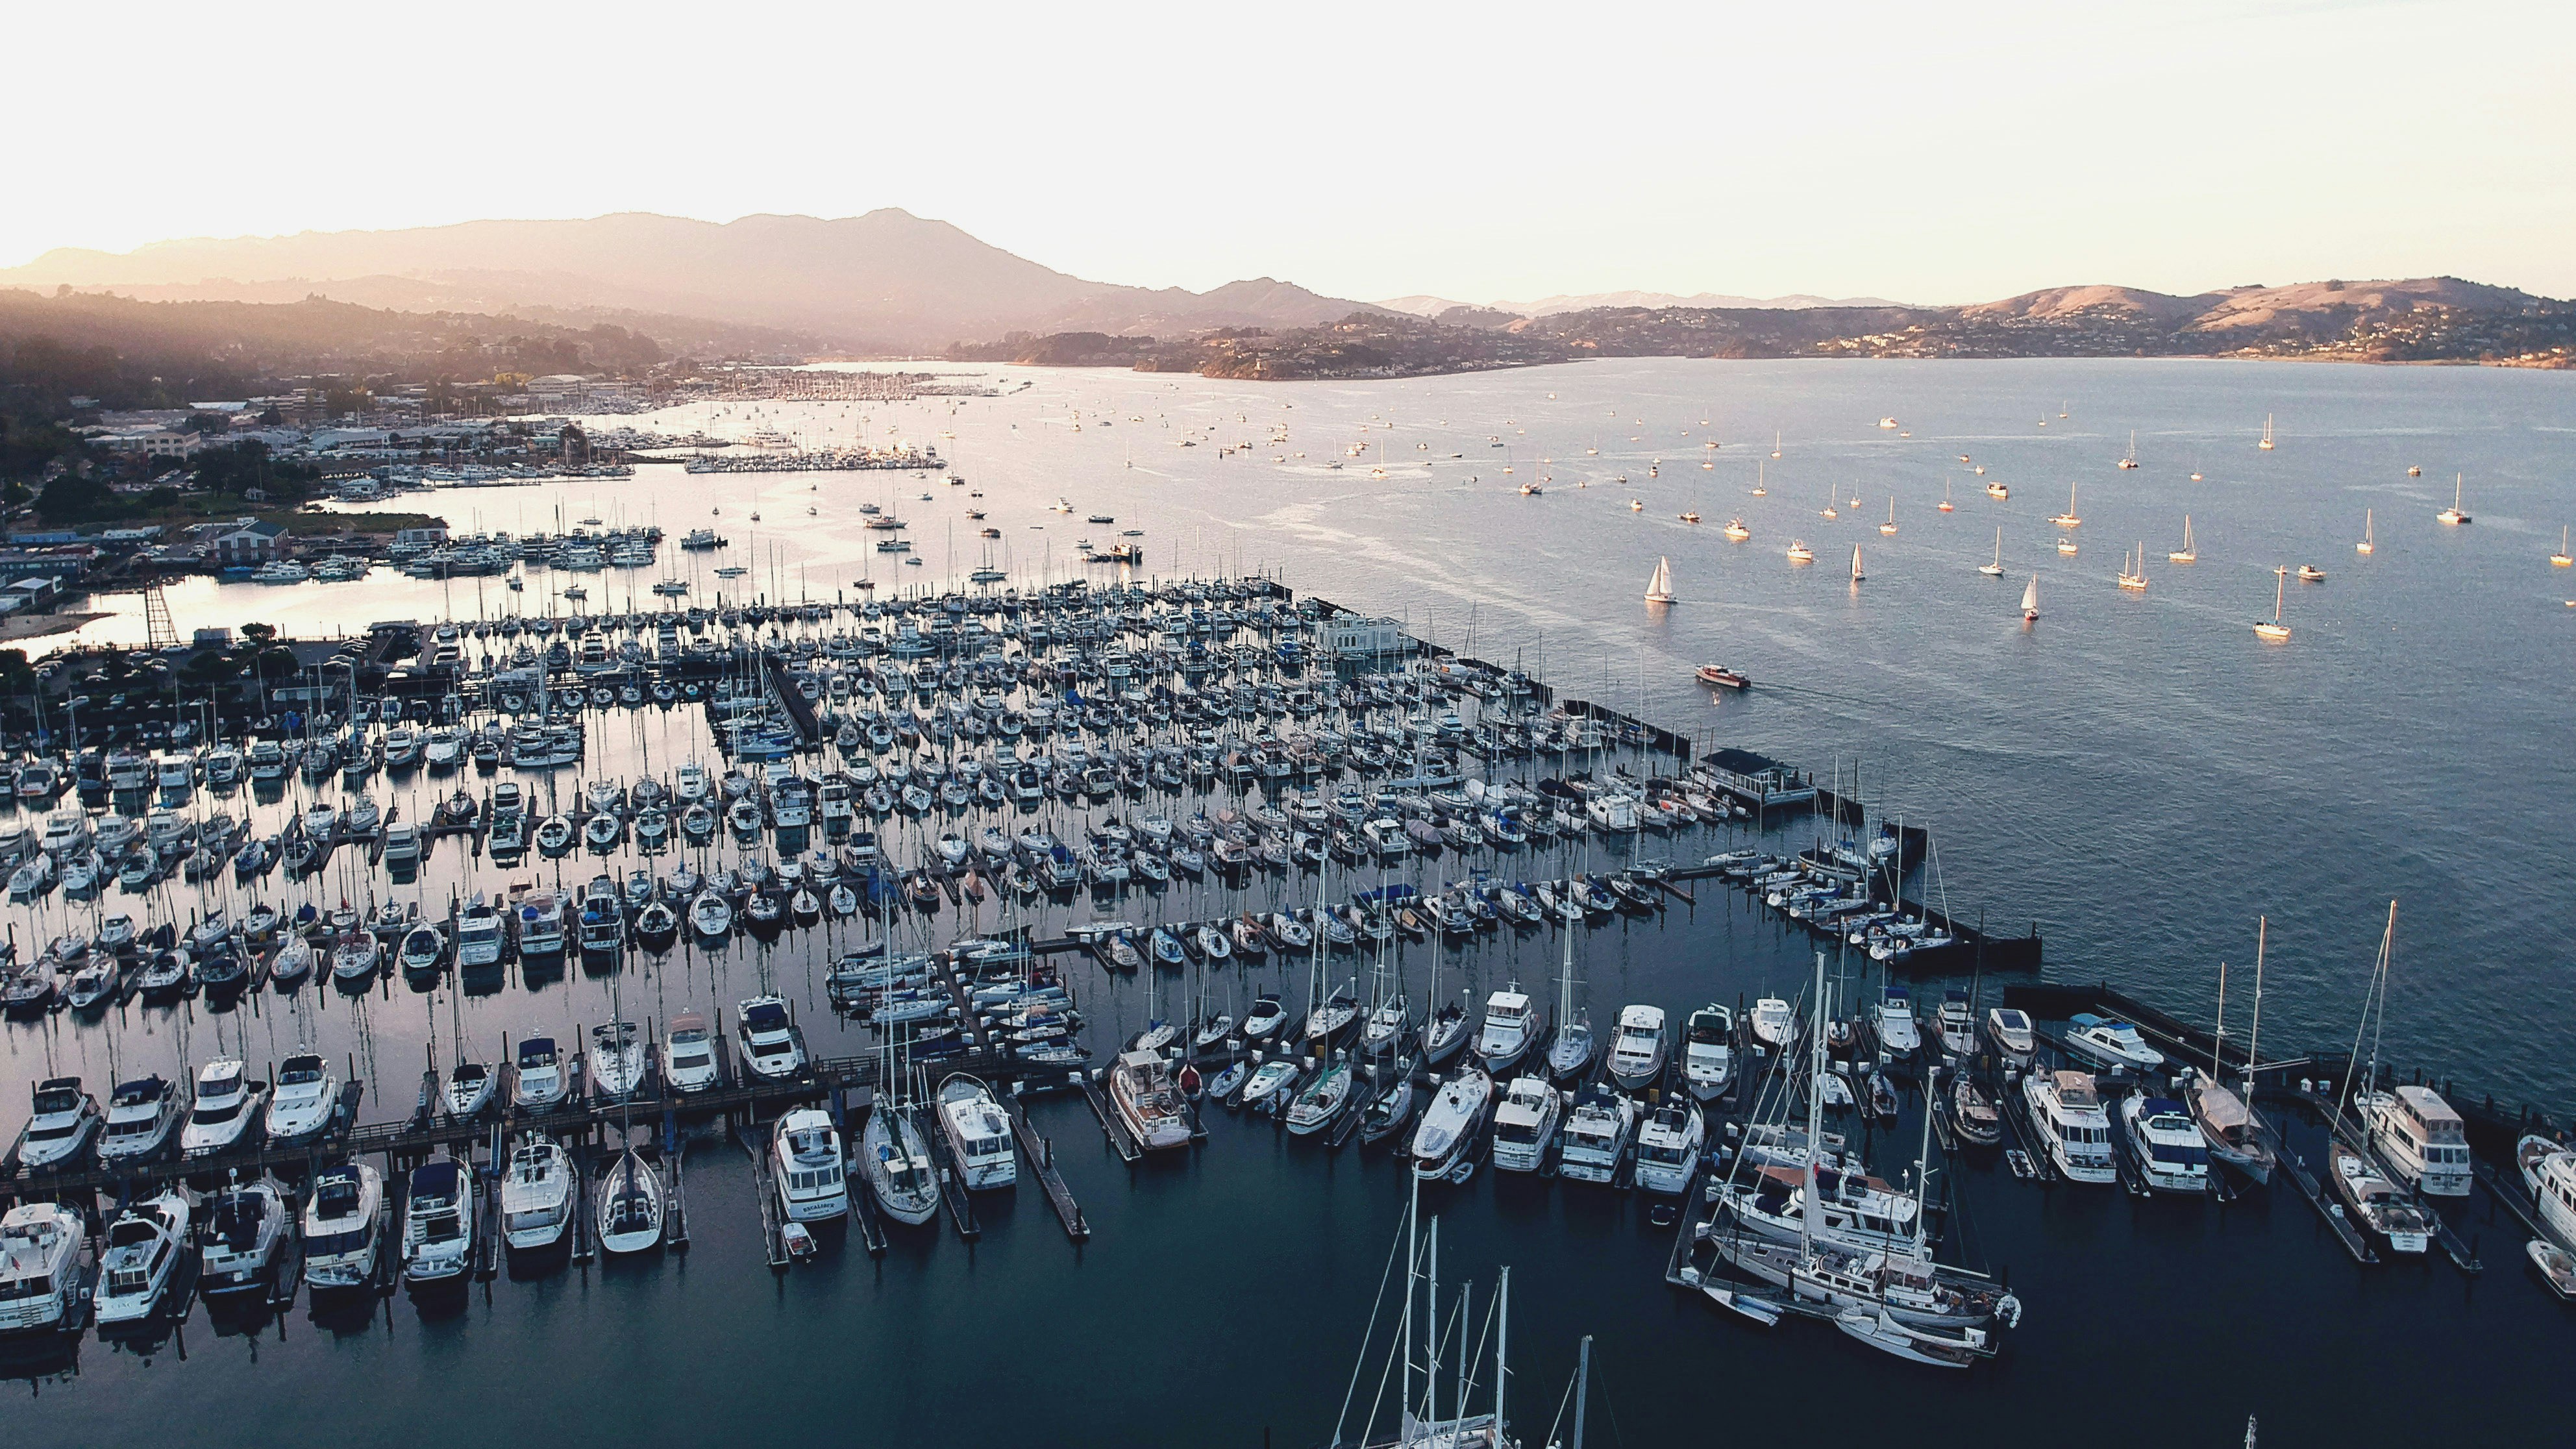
pixel 1039 1152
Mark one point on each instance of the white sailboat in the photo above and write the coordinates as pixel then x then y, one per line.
pixel 1659 589
pixel 1775 445
pixel 1995 570
pixel 2187 553
pixel 2068 519
pixel 2131 459
pixel 2266 444
pixel 2562 558
pixel 2273 628
pixel 1857 575
pixel 1890 525
pixel 2133 572
pixel 2030 601
pixel 2452 514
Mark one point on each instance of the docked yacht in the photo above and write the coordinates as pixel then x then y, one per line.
pixel 1774 1025
pixel 247 1228
pixel 2378 1204
pixel 226 1108
pixel 1525 1123
pixel 542 1079
pixel 1597 1133
pixel 1854 1209
pixel 1638 1053
pixel 1708 1051
pixel 617 1059
pixel 772 1047
pixel 1899 1035
pixel 2420 1137
pixel 689 1054
pixel 438 1224
pixel 805 1163
pixel 147 1246
pixel 2009 1032
pixel 537 1198
pixel 142 1116
pixel 2064 1110
pixel 541 925
pixel 1444 1142
pixel 478 935
pixel 1321 1102
pixel 630 1206
pixel 2164 1144
pixel 306 1100
pixel 2549 1174
pixel 2228 1128
pixel 2110 1043
pixel 470 1088
pixel 1512 1023
pixel 61 1125
pixel 41 1281
pixel 1150 1106
pixel 1669 1145
pixel 901 1176
pixel 978 1132
pixel 343 1227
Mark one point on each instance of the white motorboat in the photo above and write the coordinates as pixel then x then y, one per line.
pixel 438 1223
pixel 41 1281
pixel 2380 1205
pixel 1525 1123
pixel 1669 1145
pixel 630 1206
pixel 2420 1137
pixel 1639 1052
pixel 772 1047
pixel 689 1053
pixel 2164 1144
pixel 1899 1035
pixel 246 1227
pixel 1512 1023
pixel 423 950
pixel 537 1197
pixel 146 1247
pixel 978 1132
pixel 61 1125
pixel 2009 1032
pixel 1708 1051
pixel 228 1104
pixel 2064 1111
pixel 541 1078
pixel 470 1088
pixel 2110 1043
pixel 1149 1104
pixel 343 1227
pixel 1270 1083
pixel 1444 1142
pixel 1597 1134
pixel 305 1101
pixel 142 1116
pixel 806 1166
pixel 478 935
pixel 541 925
pixel 2549 1174
pixel 1774 1025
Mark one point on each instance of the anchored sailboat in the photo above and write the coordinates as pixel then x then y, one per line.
pixel 2131 459
pixel 2367 544
pixel 2273 628
pixel 2266 444
pixel 1659 589
pixel 2068 518
pixel 2133 572
pixel 1995 570
pixel 2453 514
pixel 2187 553
pixel 2030 601
pixel 1890 525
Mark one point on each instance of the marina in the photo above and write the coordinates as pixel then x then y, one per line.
pixel 1331 814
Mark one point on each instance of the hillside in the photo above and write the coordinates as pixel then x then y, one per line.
pixel 887 281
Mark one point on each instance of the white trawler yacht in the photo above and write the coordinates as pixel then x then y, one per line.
pixel 1525 1124
pixel 1708 1051
pixel 2064 1110
pixel 805 1161
pixel 537 1196
pixel 146 1246
pixel 343 1227
pixel 2420 1137
pixel 40 1267
pixel 1444 1141
pixel 978 1132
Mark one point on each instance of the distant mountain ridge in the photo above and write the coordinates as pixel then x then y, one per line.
pixel 1428 306
pixel 884 281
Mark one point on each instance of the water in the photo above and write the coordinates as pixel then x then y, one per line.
pixel 2136 775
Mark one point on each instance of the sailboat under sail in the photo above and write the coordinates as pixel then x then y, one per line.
pixel 1659 589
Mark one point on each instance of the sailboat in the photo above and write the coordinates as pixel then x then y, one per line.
pixel 2368 545
pixel 2068 518
pixel 1829 505
pixel 2187 553
pixel 1659 589
pixel 1995 570
pixel 2131 459
pixel 2133 573
pixel 1857 575
pixel 2453 514
pixel 1736 532
pixel 2266 444
pixel 1762 479
pixel 2273 628
pixel 2030 601
pixel 1890 525
pixel 1570 1055
pixel 1775 445
pixel 2562 558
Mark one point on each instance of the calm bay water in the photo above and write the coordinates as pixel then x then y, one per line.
pixel 2137 775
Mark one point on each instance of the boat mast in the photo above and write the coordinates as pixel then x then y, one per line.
pixel 1582 1387
pixel 2255 1037
pixel 2218 1041
pixel 1502 1342
pixel 1811 1211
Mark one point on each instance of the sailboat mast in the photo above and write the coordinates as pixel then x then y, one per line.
pixel 2218 1039
pixel 2254 1038
pixel 1811 1211
pixel 1502 1342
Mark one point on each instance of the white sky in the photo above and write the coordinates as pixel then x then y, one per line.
pixel 1922 152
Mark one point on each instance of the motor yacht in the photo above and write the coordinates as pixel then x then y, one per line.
pixel 1512 1023
pixel 2009 1032
pixel 1445 1141
pixel 1149 1104
pixel 1708 1051
pixel 978 1132
pixel 343 1227
pixel 146 1247
pixel 541 925
pixel 1954 1026
pixel 2548 1170
pixel 806 1166
pixel 2420 1137
pixel 1899 1035
pixel 305 1101
pixel 1774 1025
pixel 41 1280
pixel 1639 1052
pixel 537 1197
pixel 630 1208
pixel 61 1125
pixel 2376 1203
pixel 1525 1123
pixel 688 1053
pixel 2164 1144
pixel 772 1047
pixel 2110 1043
pixel 142 1116
pixel 2064 1111
pixel 1597 1134
pixel 228 1105
pixel 542 1079
pixel 1668 1146
pixel 438 1224
pixel 247 1226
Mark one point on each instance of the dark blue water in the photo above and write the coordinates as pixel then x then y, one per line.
pixel 2137 775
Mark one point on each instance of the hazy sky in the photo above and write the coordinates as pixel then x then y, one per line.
pixel 1923 152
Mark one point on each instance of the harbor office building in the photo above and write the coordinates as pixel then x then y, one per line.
pixel 1373 643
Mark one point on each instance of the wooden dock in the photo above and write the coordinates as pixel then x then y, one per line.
pixel 773 1225
pixel 1040 1153
pixel 2295 1168
pixel 1110 1126
pixel 952 1177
